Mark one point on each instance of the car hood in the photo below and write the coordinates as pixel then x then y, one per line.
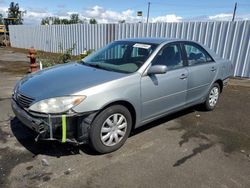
pixel 65 79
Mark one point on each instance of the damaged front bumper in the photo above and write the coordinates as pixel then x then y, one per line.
pixel 72 128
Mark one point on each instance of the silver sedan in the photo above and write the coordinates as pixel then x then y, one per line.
pixel 120 87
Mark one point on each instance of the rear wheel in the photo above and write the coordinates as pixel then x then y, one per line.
pixel 213 97
pixel 110 129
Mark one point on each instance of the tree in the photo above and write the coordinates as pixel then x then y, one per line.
pixel 74 19
pixel 56 20
pixel 51 20
pixel 45 21
pixel 15 12
pixel 121 21
pixel 92 21
pixel 1 18
pixel 65 21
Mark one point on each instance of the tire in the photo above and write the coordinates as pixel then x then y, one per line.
pixel 105 135
pixel 212 97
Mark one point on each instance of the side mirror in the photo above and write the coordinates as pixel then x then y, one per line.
pixel 157 69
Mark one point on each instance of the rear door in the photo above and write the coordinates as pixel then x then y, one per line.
pixel 202 70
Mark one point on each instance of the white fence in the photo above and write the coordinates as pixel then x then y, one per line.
pixel 230 40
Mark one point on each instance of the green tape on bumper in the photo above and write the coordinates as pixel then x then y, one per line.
pixel 64 128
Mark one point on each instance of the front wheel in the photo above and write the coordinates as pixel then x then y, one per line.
pixel 110 129
pixel 212 97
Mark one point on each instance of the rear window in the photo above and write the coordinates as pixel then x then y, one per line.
pixel 196 54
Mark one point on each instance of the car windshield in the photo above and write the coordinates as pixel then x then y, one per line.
pixel 121 56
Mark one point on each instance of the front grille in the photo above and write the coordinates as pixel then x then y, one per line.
pixel 23 100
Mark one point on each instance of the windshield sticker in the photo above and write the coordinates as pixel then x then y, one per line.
pixel 138 45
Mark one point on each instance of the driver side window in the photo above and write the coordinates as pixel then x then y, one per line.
pixel 169 55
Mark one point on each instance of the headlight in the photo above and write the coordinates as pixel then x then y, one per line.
pixel 57 105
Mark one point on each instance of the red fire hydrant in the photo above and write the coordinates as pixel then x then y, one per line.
pixel 32 56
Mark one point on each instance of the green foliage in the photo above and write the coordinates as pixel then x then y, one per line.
pixel 1 18
pixel 47 59
pixel 121 21
pixel 74 19
pixel 51 59
pixel 45 21
pixel 53 20
pixel 15 12
pixel 67 54
pixel 92 21
pixel 64 21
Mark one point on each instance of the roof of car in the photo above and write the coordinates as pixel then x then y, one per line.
pixel 161 40
pixel 149 40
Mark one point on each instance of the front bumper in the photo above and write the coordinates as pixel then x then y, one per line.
pixel 63 128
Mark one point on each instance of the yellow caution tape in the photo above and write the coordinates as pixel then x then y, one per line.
pixel 64 128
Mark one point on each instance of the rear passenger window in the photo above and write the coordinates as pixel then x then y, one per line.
pixel 170 56
pixel 196 54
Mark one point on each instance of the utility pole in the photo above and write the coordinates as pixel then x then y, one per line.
pixel 148 11
pixel 235 7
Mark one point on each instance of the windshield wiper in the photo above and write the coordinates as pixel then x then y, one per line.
pixel 97 65
pixel 94 65
pixel 90 64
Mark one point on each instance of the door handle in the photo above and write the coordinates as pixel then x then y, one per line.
pixel 213 69
pixel 183 76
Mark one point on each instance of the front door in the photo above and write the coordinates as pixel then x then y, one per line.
pixel 161 93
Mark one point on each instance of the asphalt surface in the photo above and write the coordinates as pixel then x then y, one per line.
pixel 191 148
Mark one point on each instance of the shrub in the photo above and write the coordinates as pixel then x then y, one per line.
pixel 49 59
pixel 66 56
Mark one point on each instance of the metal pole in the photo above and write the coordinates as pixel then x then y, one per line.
pixel 148 11
pixel 235 7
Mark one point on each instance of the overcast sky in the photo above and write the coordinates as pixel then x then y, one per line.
pixel 111 11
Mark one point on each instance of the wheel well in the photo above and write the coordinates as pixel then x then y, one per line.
pixel 129 106
pixel 220 84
